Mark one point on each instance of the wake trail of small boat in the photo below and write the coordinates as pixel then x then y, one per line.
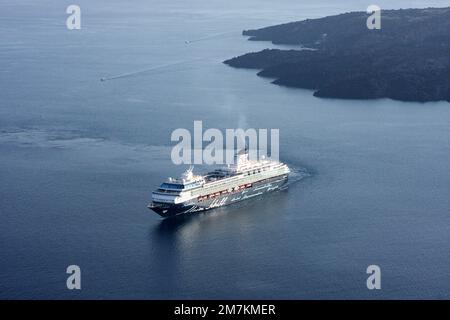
pixel 177 63
pixel 210 37
pixel 155 68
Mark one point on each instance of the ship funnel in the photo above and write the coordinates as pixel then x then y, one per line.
pixel 240 160
pixel 188 175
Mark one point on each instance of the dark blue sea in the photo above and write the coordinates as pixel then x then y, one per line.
pixel 79 158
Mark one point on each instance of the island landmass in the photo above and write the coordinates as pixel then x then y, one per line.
pixel 408 59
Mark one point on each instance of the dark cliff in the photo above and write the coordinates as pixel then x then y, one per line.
pixel 407 59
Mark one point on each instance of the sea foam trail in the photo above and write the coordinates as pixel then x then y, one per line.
pixel 297 174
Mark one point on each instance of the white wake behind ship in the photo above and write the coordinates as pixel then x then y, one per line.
pixel 242 180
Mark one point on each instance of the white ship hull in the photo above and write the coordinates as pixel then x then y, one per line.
pixel 247 192
pixel 243 180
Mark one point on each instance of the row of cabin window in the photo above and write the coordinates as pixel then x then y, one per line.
pixel 257 171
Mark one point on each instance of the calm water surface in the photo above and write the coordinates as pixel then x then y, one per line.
pixel 79 159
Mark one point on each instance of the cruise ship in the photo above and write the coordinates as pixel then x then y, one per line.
pixel 242 180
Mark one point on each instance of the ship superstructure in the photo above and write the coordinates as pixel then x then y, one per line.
pixel 244 179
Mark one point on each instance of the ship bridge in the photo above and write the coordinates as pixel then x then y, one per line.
pixel 187 181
